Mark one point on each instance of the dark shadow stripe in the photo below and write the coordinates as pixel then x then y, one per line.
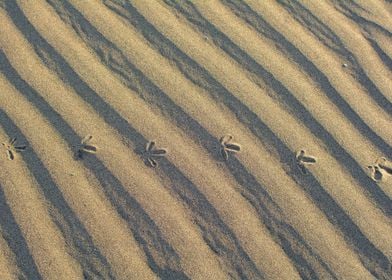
pixel 353 3
pixel 144 227
pixel 161 256
pixel 309 21
pixel 365 24
pixel 355 237
pixel 292 104
pixel 321 31
pixel 385 58
pixel 263 27
pixel 344 8
pixel 120 69
pixel 158 99
pixel 217 235
pixel 82 248
pixel 165 46
pixel 12 234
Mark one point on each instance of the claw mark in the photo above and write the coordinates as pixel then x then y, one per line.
pixel 84 147
pixel 152 152
pixel 303 160
pixel 12 148
pixel 385 165
pixel 376 173
pixel 10 155
pixel 380 166
pixel 227 146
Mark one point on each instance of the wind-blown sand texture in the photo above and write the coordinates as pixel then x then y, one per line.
pixel 178 139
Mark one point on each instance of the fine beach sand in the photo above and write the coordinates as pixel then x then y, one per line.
pixel 204 139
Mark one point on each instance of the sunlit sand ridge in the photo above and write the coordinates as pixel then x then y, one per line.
pixel 232 139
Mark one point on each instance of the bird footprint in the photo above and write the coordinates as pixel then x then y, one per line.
pixel 152 153
pixel 227 146
pixel 385 165
pixel 12 148
pixel 376 173
pixel 85 147
pixel 303 160
pixel 381 166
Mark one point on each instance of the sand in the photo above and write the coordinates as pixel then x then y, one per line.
pixel 232 139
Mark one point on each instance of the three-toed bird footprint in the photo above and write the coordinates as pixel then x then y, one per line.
pixel 381 167
pixel 85 147
pixel 228 147
pixel 385 165
pixel 12 148
pixel 152 153
pixel 303 160
pixel 376 173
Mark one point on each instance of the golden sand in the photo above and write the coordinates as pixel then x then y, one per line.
pixel 232 139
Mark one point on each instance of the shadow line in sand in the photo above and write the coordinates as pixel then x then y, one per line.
pixel 140 82
pixel 357 239
pixel 76 236
pixel 308 20
pixel 214 235
pixel 161 257
pixel 381 53
pixel 12 234
pixel 176 114
pixel 113 190
pixel 191 126
pixel 263 27
pixel 168 270
pixel 206 81
pixel 352 233
pixel 357 17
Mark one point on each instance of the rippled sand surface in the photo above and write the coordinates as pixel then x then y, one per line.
pixel 178 139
